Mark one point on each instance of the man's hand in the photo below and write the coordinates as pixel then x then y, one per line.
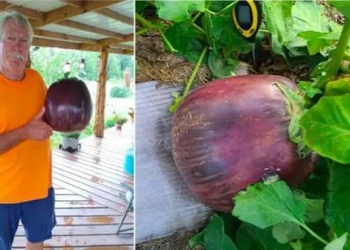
pixel 37 129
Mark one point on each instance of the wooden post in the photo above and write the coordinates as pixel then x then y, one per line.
pixel 101 94
pixel 29 62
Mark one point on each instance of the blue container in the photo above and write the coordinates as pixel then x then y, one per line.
pixel 129 161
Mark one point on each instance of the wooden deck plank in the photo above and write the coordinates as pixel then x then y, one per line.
pixel 82 230
pixel 93 173
pixel 85 211
pixel 88 207
pixel 80 241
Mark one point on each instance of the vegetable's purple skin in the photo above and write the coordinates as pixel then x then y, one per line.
pixel 68 105
pixel 231 133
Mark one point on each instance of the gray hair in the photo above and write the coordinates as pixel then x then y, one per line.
pixel 19 19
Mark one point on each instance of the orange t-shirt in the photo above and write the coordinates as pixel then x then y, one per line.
pixel 25 170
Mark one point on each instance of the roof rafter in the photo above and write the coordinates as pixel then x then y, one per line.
pixel 33 14
pixel 88 28
pixel 41 42
pixel 109 41
pixel 67 11
pixel 61 36
pixel 116 16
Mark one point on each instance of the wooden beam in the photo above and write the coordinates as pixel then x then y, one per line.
pixel 33 14
pixel 29 61
pixel 41 42
pixel 68 11
pixel 121 51
pixel 113 41
pixel 101 94
pixel 61 36
pixel 52 43
pixel 116 16
pixel 88 28
pixel 109 41
pixel 129 38
pixel 76 3
pixel 122 46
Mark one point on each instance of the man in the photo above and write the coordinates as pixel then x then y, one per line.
pixel 26 192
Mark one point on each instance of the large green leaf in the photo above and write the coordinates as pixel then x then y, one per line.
pixel 221 28
pixel 337 207
pixel 178 10
pixel 327 128
pixel 184 38
pixel 266 205
pixel 213 237
pixel 250 237
pixel 307 16
pixel 287 231
pixel 343 6
pixel 338 243
pixel 338 87
pixel 278 17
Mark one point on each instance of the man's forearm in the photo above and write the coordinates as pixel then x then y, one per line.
pixel 11 139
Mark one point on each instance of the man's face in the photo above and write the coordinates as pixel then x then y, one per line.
pixel 14 47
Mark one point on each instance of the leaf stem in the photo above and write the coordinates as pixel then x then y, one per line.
pixel 227 7
pixel 194 73
pixel 309 230
pixel 337 55
pixel 151 25
pixel 195 17
pixel 141 31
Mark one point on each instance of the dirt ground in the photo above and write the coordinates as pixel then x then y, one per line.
pixel 177 241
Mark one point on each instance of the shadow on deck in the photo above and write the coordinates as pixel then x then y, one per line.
pixel 88 206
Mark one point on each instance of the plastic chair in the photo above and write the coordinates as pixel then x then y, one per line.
pixel 128 197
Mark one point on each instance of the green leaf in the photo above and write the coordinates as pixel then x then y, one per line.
pixel 309 90
pixel 196 240
pixel 297 245
pixel 266 205
pixel 219 66
pixel 307 16
pixel 250 237
pixel 343 6
pixel 314 210
pixel 279 22
pixel 337 207
pixel 222 30
pixel 178 10
pixel 185 39
pixel 213 236
pixel 338 87
pixel 327 128
pixel 338 243
pixel 287 231
pixel 320 42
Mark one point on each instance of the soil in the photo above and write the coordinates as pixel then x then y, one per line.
pixel 177 241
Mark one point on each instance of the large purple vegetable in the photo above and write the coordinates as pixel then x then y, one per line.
pixel 233 132
pixel 68 105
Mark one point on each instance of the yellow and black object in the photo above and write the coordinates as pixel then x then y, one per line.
pixel 247 15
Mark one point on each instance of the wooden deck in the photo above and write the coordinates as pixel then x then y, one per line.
pixel 88 207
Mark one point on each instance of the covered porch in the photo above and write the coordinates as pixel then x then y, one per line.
pixel 88 186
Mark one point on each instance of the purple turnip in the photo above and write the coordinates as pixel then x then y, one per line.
pixel 233 132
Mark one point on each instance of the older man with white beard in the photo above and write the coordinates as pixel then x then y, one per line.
pixel 26 192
